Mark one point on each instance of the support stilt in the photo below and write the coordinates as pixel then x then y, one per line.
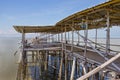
pixel 108 34
pixel 73 69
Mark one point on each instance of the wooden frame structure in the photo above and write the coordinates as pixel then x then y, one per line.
pixel 106 15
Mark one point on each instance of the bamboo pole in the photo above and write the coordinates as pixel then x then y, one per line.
pixel 68 37
pixel 58 37
pixel 46 60
pixel 95 38
pixel 99 67
pixel 32 56
pixel 108 34
pixel 73 69
pixel 86 35
pixel 84 69
pixel 61 63
pixel 78 38
pixel 23 56
pixel 76 69
pixel 72 40
pixel 65 56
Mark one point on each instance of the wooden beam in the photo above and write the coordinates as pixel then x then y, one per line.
pixel 97 69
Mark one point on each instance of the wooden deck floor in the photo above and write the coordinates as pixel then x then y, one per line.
pixel 78 50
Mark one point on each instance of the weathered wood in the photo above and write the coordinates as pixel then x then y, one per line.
pixel 95 38
pixel 99 67
pixel 61 62
pixel 99 52
pixel 72 40
pixel 86 36
pixel 23 56
pixel 46 60
pixel 60 70
pixel 108 34
pixel 65 56
pixel 78 38
pixel 73 69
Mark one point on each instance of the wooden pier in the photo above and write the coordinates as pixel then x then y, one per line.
pixel 53 55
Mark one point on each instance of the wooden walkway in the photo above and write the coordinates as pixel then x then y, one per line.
pixel 73 61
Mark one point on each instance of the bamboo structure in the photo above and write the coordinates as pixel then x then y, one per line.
pixel 57 54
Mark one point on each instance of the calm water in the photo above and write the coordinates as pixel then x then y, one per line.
pixel 8 66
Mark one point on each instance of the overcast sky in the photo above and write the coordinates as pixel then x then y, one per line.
pixel 38 12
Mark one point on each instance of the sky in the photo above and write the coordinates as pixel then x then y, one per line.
pixel 38 12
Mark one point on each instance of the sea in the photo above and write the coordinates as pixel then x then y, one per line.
pixel 8 59
pixel 8 65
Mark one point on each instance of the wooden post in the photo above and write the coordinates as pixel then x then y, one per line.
pixel 86 35
pixel 49 38
pixel 73 69
pixel 72 39
pixel 32 56
pixel 23 56
pixel 84 69
pixel 108 34
pixel 39 62
pixel 53 38
pixel 60 70
pixel 68 38
pixel 35 66
pixel 78 38
pixel 95 38
pixel 46 60
pixel 65 56
pixel 76 69
pixel 61 63
pixel 58 37
pixel 99 67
